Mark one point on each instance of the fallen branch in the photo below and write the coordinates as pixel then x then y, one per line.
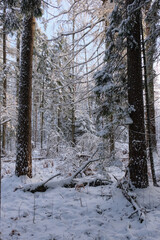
pixel 92 182
pixel 69 182
pixel 131 197
pixel 39 187
pixel 58 174
pixel 83 167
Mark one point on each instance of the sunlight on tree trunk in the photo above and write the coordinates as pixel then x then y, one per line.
pixel 24 149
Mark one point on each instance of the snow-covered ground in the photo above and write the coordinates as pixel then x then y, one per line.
pixel 99 213
pixel 89 213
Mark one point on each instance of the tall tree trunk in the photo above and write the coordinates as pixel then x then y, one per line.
pixel 18 62
pixel 73 87
pixel 112 132
pixel 137 146
pixel 4 80
pixel 147 98
pixel 35 120
pixel 86 64
pixel 24 149
pixel 42 116
pixel 150 80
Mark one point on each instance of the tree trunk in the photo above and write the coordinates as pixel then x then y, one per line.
pixel 18 62
pixel 4 80
pixel 86 64
pixel 150 79
pixel 42 115
pixel 73 119
pixel 137 146
pixel 112 132
pixel 24 149
pixel 35 121
pixel 147 98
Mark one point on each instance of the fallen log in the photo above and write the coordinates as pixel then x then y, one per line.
pixel 40 187
pixel 92 182
pixel 69 182
pixel 66 183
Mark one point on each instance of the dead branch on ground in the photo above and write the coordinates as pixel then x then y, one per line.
pixel 69 182
pixel 128 193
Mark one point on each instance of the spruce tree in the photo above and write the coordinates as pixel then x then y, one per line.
pixel 137 146
pixel 30 9
pixel 23 160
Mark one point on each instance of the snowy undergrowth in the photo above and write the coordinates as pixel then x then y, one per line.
pixel 89 213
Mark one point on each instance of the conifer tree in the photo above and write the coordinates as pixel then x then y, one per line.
pixel 151 23
pixel 137 146
pixel 24 149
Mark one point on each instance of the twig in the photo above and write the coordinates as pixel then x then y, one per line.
pixel 58 174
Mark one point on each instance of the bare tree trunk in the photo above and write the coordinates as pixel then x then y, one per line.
pixel 147 97
pixel 4 80
pixel 73 87
pixel 112 140
pixel 150 80
pixel 18 62
pixel 58 125
pixel 36 121
pixel 112 133
pixel 137 146
pixel 42 116
pixel 89 103
pixel 24 148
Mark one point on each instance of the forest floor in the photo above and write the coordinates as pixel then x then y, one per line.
pixel 86 213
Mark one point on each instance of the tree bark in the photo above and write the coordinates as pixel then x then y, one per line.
pixel 150 80
pixel 18 62
pixel 4 80
pixel 112 132
pixel 147 98
pixel 24 149
pixel 137 146
pixel 42 116
pixel 73 118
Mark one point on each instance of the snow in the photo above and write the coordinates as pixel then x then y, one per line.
pixel 99 213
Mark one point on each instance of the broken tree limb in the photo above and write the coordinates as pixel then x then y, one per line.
pixel 58 174
pixel 69 182
pixel 83 167
pixel 41 187
pixel 131 197
pixel 92 182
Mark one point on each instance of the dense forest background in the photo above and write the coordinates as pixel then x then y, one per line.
pixel 73 92
pixel 79 87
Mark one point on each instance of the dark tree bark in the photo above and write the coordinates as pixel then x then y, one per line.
pixel 24 159
pixel 137 146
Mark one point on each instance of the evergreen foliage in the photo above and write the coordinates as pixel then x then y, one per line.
pixel 111 84
pixel 123 52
